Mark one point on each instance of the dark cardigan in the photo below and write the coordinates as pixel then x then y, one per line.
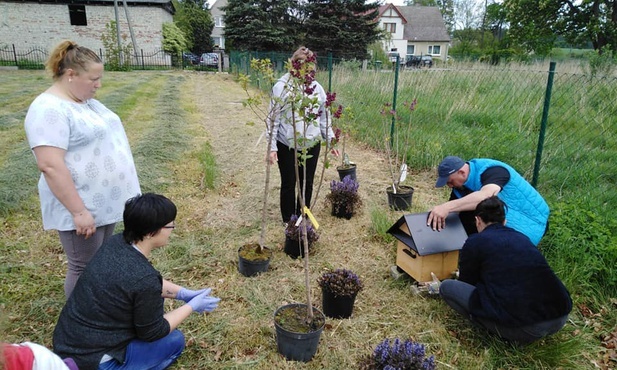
pixel 117 299
pixel 515 286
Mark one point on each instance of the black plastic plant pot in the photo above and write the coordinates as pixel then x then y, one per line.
pixel 250 263
pixel 337 307
pixel 296 340
pixel 401 200
pixel 341 212
pixel 347 170
pixel 293 248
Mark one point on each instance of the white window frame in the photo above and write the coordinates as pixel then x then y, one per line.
pixel 431 49
pixel 218 21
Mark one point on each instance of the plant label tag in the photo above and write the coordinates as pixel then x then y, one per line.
pixel 298 221
pixel 311 217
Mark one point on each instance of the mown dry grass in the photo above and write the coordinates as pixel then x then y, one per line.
pixel 213 223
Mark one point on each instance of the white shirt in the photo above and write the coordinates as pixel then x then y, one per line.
pixel 98 157
pixel 283 129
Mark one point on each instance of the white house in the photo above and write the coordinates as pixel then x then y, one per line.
pixel 218 32
pixel 44 23
pixel 414 30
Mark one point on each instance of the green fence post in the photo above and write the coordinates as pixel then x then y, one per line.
pixel 330 72
pixel 396 68
pixel 547 104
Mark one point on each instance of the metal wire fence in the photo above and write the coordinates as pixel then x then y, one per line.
pixel 35 57
pixel 557 128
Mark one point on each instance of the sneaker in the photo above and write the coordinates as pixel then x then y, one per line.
pixel 396 272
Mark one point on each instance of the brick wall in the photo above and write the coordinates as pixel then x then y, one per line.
pixel 30 25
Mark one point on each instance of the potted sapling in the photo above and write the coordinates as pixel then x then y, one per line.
pixel 299 325
pixel 397 146
pixel 254 258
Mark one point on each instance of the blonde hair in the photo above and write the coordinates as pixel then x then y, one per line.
pixel 302 54
pixel 68 54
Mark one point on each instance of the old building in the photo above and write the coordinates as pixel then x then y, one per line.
pixel 44 23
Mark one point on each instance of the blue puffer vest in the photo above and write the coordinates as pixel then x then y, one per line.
pixel 527 211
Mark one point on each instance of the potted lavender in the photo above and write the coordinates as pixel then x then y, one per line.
pixel 407 355
pixel 339 289
pixel 293 237
pixel 344 197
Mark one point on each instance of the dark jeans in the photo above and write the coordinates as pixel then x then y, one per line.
pixel 457 293
pixel 290 204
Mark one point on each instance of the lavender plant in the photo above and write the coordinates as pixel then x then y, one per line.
pixel 398 355
pixel 344 195
pixel 294 231
pixel 340 282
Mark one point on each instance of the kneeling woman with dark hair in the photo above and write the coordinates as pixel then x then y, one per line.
pixel 115 318
pixel 505 284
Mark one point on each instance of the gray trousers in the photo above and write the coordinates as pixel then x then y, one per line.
pixel 457 293
pixel 79 251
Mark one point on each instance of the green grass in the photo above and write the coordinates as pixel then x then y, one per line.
pixel 496 113
pixel 207 160
pixel 172 152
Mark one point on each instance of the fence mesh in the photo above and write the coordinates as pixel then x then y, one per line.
pixel 485 111
pixel 35 57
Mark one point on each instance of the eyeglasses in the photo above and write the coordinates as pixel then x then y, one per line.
pixel 169 227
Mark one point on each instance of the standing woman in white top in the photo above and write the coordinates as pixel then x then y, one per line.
pixel 81 149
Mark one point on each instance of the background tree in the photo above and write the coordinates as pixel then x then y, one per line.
pixel 344 27
pixel 536 24
pixel 117 54
pixel 174 42
pixel 261 25
pixel 195 21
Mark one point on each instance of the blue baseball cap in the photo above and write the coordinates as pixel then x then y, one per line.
pixel 447 167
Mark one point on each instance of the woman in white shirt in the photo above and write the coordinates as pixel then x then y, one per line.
pixel 81 149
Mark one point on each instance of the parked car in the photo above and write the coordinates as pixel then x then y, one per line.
pixel 392 56
pixel 209 60
pixel 418 61
pixel 190 58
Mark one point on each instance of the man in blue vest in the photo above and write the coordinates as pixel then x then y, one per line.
pixel 481 178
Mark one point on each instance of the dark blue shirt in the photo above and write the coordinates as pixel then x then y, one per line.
pixel 515 286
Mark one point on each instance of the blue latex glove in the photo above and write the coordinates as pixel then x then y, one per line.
pixel 187 294
pixel 204 303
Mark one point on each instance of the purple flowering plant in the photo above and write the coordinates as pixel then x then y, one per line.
pixel 340 282
pixel 397 354
pixel 294 232
pixel 344 195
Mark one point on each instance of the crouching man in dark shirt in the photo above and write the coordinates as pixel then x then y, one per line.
pixel 505 284
pixel 114 318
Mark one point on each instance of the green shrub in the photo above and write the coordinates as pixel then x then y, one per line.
pixel 582 248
